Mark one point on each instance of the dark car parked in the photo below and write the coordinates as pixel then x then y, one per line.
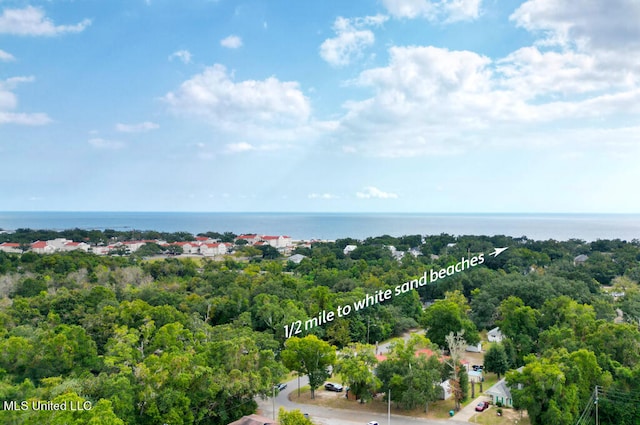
pixel 330 386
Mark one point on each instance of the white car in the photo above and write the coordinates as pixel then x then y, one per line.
pixel 373 423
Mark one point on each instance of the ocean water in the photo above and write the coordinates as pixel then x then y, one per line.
pixel 588 227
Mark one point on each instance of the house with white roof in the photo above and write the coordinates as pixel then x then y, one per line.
pixel 580 259
pixel 349 249
pixel 296 258
pixel 494 335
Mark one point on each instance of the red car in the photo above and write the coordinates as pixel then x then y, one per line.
pixel 482 406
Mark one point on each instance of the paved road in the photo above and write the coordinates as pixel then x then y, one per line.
pixel 329 416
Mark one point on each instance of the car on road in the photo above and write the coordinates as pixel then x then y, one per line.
pixel 280 386
pixel 330 386
pixel 482 406
pixel 373 423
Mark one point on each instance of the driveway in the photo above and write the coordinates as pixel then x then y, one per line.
pixel 470 409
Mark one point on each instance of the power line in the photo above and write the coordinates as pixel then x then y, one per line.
pixel 611 395
pixel 585 417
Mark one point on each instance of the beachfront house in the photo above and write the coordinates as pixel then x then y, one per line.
pixel 277 242
pixel 213 249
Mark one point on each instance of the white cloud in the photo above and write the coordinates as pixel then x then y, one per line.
pixel 6 56
pixel 142 127
pixel 9 102
pixel 244 108
pixel 32 21
pixel 534 73
pixel 100 143
pixel 597 24
pixel 460 10
pixel 434 10
pixel 423 99
pixel 183 55
pixel 322 196
pixel 247 147
pixel 433 101
pixel 24 119
pixel 239 147
pixel 350 39
pixel 231 42
pixel 373 192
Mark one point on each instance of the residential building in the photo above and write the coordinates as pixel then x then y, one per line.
pixel 74 246
pixel 250 238
pixel 580 259
pixel 494 335
pixel 277 241
pixel 42 247
pixel 10 247
pixel 189 247
pixel 213 249
pixel 500 393
pixel 348 249
pixel 296 258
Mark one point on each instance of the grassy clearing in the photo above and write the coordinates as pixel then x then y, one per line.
pixel 509 417
pixel 437 410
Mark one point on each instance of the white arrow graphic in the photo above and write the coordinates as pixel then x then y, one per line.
pixel 499 251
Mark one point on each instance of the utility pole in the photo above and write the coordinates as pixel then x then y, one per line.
pixel 389 409
pixel 273 397
pixel 596 402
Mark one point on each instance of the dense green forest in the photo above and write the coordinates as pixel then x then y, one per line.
pixel 195 341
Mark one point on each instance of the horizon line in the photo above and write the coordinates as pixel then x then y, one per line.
pixel 325 212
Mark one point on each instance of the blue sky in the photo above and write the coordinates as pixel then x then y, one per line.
pixel 273 105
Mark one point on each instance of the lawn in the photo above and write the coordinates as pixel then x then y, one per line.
pixel 509 417
pixel 437 410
